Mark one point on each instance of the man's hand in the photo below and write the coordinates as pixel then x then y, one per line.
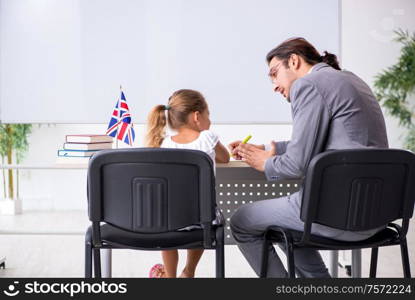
pixel 232 147
pixel 234 151
pixel 254 156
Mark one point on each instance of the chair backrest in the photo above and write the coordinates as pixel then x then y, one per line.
pixel 359 189
pixel 151 190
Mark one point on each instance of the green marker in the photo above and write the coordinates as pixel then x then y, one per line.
pixel 246 139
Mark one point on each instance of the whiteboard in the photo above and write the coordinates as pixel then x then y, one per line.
pixel 62 61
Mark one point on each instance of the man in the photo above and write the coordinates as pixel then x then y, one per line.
pixel 331 109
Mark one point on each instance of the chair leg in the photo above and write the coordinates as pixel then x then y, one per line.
pixel 290 260
pixel 357 263
pixel 220 253
pixel 373 262
pixel 264 263
pixel 97 262
pixel 405 259
pixel 88 260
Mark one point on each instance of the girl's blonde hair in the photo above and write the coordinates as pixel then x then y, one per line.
pixel 181 104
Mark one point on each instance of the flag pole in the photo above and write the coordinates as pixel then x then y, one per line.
pixel 118 121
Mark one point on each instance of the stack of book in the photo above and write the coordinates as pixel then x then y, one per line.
pixel 79 148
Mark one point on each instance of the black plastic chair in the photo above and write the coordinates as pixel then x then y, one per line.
pixel 140 198
pixel 353 190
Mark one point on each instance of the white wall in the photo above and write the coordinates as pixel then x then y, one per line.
pixel 367 31
pixel 367 46
pixel 81 50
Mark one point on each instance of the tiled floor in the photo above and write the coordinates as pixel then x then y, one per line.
pixel 51 244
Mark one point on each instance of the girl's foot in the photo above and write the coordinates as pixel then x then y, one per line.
pixel 157 271
pixel 187 274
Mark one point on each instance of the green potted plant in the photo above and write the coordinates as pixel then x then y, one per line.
pixel 13 146
pixel 396 85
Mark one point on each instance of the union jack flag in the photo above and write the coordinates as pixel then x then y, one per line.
pixel 120 125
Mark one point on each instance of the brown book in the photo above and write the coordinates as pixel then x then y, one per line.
pixel 88 138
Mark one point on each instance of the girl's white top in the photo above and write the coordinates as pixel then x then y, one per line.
pixel 206 142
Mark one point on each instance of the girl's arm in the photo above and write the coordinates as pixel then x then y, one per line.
pixel 222 154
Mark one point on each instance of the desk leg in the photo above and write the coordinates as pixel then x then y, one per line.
pixel 357 263
pixel 2 262
pixel 334 262
pixel 106 263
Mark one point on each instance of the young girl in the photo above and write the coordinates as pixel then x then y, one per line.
pixel 188 114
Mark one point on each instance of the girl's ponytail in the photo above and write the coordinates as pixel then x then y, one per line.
pixel 156 129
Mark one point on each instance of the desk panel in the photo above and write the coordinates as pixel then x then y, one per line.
pixel 236 186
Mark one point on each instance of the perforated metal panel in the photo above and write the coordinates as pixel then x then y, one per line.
pixel 238 186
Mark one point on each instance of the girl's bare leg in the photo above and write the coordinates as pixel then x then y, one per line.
pixel 170 260
pixel 193 257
